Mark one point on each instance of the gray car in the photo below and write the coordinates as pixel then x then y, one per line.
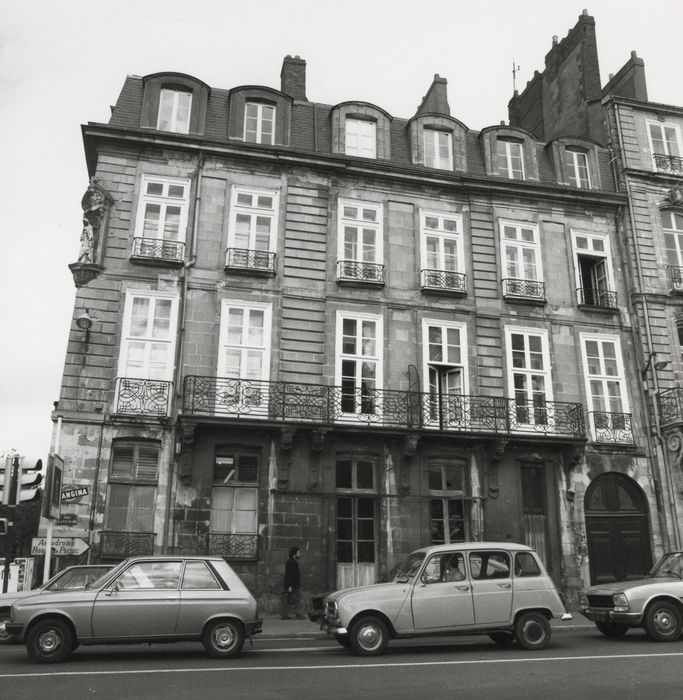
pixel 71 578
pixel 493 588
pixel 143 599
pixel 654 602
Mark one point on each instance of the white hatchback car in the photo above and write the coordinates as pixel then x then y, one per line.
pixel 493 588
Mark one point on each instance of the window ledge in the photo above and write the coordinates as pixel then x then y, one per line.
pixel 527 301
pixel 155 261
pixel 599 309
pixel 249 271
pixel 444 291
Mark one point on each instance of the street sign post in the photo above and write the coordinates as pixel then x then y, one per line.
pixel 61 546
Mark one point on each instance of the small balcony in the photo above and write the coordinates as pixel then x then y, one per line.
pixel 357 272
pixel 158 251
pixel 597 298
pixel 524 290
pixel 121 544
pixel 670 406
pixel 244 261
pixel 234 547
pixel 142 397
pixel 443 281
pixel 672 165
pixel 286 402
pixel 675 278
pixel 612 428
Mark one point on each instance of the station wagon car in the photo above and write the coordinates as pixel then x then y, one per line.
pixel 493 588
pixel 71 578
pixel 654 602
pixel 143 599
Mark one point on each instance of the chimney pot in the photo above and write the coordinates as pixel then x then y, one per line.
pixel 555 40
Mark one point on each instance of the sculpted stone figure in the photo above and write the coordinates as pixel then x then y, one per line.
pixel 86 253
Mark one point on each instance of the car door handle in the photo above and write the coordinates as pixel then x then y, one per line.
pixel 462 588
pixel 171 598
pixel 504 585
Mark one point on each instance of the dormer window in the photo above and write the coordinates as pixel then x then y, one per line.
pixel 174 110
pixel 259 123
pixel 361 138
pixel 510 159
pixel 576 162
pixel 438 149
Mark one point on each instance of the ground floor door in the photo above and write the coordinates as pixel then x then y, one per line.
pixel 355 541
pixel 617 529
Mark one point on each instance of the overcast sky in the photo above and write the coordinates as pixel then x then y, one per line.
pixel 63 62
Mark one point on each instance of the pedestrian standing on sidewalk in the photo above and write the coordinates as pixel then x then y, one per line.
pixel 291 585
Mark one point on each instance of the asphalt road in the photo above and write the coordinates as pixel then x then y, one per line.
pixel 579 664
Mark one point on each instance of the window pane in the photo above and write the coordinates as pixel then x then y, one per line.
pixel 344 478
pixel 198 577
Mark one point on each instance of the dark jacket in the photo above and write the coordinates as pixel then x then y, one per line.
pixel 292 577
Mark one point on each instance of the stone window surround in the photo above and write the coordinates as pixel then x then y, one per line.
pixel 491 134
pixel 361 110
pixel 237 101
pixel 438 122
pixel 590 148
pixel 152 86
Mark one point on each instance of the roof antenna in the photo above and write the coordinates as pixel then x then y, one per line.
pixel 515 70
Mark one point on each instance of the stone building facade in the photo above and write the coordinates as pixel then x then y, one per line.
pixel 326 326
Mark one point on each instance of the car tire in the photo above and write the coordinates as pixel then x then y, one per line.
pixel 49 641
pixel 369 636
pixel 663 621
pixel 343 640
pixel 223 639
pixel 502 638
pixel 5 636
pixel 613 630
pixel 532 631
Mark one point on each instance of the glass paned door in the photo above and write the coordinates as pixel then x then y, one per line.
pixel 529 378
pixel 355 541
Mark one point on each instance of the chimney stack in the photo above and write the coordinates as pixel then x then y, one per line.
pixel 293 77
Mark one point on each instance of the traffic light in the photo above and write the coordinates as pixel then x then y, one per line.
pixel 29 482
pixel 10 476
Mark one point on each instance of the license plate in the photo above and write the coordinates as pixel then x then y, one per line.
pixel 599 616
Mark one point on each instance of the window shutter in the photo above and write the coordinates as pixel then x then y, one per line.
pixel 148 459
pixel 122 460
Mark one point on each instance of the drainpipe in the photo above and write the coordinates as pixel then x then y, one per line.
pixel 653 406
pixel 169 523
pixel 95 489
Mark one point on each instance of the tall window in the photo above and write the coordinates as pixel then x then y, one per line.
pixel 679 335
pixel 604 371
pixel 442 256
pixel 448 518
pixel 529 374
pixel 244 344
pixel 148 336
pixel 665 140
pixel 259 123
pixel 234 500
pixel 361 138
pixel 672 225
pixel 593 270
pixel 445 357
pixel 132 486
pixel 510 159
pixel 576 161
pixel 252 230
pixel 359 362
pixel 174 110
pixel 161 221
pixel 522 258
pixel 438 147
pixel 360 240
pixel 534 508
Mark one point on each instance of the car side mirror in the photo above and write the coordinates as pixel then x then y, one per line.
pixel 114 589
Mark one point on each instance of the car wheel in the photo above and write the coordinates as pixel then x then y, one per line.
pixel 5 636
pixel 223 639
pixel 369 636
pixel 532 631
pixel 49 641
pixel 613 630
pixel 663 621
pixel 502 638
pixel 343 640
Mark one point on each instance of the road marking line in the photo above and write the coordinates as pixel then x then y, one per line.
pixel 327 667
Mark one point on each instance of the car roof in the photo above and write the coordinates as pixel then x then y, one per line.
pixel 465 546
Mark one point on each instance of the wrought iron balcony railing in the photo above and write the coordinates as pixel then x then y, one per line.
pixel 312 403
pixel 676 277
pixel 671 405
pixel 523 289
pixel 233 546
pixel 123 544
pixel 611 427
pixel 443 281
pixel 600 298
pixel 668 164
pixel 158 250
pixel 250 261
pixel 357 271
pixel 142 397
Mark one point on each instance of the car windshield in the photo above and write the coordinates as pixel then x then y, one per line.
pixel 669 566
pixel 410 566
pixel 72 579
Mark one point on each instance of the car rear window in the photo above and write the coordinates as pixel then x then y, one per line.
pixel 526 565
pixel 198 577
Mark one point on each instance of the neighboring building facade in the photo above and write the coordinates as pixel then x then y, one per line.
pixel 326 326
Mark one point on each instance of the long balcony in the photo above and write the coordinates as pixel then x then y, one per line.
pixel 233 546
pixel 246 261
pixel 443 281
pixel 312 403
pixel 670 405
pixel 360 272
pixel 158 251
pixel 142 397
pixel 599 298
pixel 668 164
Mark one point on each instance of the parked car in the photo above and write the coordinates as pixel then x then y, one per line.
pixel 493 588
pixel 143 599
pixel 71 578
pixel 653 602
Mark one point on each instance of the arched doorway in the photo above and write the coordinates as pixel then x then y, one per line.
pixel 617 529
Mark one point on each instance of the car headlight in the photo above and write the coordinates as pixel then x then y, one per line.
pixel 620 602
pixel 583 598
